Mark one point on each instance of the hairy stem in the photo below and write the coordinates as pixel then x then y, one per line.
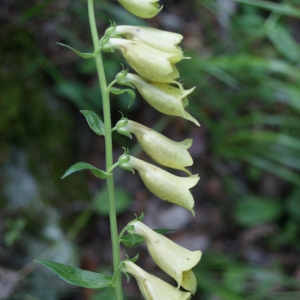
pixel 108 150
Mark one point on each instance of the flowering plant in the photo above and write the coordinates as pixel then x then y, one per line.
pixel 153 54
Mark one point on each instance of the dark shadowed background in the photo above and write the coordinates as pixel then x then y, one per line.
pixel 246 67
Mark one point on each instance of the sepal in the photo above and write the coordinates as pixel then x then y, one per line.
pixel 107 35
pixel 124 161
pixel 121 78
pixel 121 127
pixel 131 240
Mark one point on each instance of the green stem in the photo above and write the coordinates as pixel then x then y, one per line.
pixel 108 151
pixel 111 84
pixel 122 233
pixel 113 167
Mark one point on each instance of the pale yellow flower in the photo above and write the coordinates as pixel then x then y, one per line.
pixel 151 287
pixel 160 148
pixel 149 62
pixel 173 259
pixel 159 39
pixel 163 97
pixel 142 8
pixel 163 184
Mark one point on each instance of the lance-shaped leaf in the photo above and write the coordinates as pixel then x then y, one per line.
pixel 85 166
pixel 130 92
pixel 163 184
pixel 81 54
pixel 78 276
pixel 151 287
pixel 160 148
pixel 94 122
pixel 169 256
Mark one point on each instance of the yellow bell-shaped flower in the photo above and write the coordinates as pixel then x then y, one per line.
pixel 163 97
pixel 151 287
pixel 160 148
pixel 158 39
pixel 142 8
pixel 149 62
pixel 163 184
pixel 173 259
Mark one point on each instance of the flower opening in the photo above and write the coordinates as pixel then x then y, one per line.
pixel 151 287
pixel 173 259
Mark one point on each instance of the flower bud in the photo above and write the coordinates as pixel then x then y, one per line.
pixel 173 259
pixel 142 8
pixel 163 97
pixel 160 148
pixel 151 287
pixel 151 63
pixel 165 185
pixel 159 39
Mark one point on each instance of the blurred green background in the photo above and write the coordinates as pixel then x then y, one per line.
pixel 246 67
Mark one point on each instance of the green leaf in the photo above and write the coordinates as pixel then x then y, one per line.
pixel 123 201
pixel 269 166
pixel 85 166
pixel 293 204
pixel 254 210
pixel 266 137
pixel 131 240
pixel 78 276
pixel 284 43
pixel 130 92
pixel 280 8
pixel 81 54
pixel 94 122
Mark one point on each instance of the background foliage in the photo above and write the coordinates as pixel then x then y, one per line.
pixel 245 64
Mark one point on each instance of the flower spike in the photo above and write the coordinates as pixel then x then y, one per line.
pixel 163 184
pixel 151 287
pixel 175 260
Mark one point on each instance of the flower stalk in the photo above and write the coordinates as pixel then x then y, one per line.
pixel 153 54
